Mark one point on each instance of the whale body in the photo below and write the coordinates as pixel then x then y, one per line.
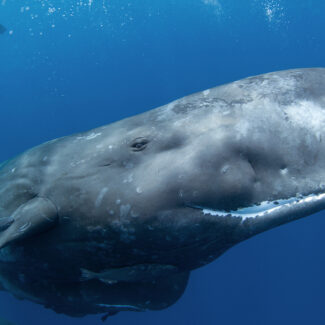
pixel 138 204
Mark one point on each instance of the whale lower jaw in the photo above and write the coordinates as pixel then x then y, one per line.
pixel 298 206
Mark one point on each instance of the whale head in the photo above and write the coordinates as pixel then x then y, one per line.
pixel 139 203
pixel 182 183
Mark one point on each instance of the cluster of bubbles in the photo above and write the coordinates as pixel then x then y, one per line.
pixel 216 6
pixel 47 14
pixel 43 15
pixel 272 10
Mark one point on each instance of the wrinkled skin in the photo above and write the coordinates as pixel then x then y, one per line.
pixel 134 192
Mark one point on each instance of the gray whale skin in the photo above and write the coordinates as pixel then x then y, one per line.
pixel 115 218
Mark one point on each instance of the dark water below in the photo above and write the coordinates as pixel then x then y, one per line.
pixel 68 66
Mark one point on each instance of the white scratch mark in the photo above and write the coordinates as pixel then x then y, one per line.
pixel 100 197
pixel 89 137
pixel 124 210
pixel 206 92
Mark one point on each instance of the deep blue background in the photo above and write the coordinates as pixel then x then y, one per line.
pixel 84 65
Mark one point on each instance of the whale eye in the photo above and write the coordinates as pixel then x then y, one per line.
pixel 139 144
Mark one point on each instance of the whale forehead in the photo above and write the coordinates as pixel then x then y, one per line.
pixel 260 119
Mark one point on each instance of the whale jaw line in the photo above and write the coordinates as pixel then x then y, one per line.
pixel 266 208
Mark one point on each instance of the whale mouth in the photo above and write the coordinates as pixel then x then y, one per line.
pixel 266 208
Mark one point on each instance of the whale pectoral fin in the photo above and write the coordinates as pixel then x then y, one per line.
pixel 31 218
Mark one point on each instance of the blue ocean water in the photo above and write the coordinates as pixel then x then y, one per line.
pixel 68 66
